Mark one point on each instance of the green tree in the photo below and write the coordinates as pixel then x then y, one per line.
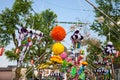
pixel 21 15
pixel 112 9
pixel 103 26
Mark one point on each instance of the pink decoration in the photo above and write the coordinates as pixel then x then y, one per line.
pixel 1 51
pixel 63 55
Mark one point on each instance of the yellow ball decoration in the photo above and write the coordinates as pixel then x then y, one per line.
pixel 58 48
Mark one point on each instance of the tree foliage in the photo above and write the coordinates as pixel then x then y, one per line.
pixel 112 9
pixel 22 15
pixel 103 26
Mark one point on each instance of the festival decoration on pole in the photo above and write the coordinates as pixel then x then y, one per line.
pixel 1 51
pixel 26 38
pixel 109 49
pixel 76 39
pixel 58 33
pixel 103 68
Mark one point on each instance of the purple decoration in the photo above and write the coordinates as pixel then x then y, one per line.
pixel 23 30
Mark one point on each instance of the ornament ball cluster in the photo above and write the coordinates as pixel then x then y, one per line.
pixel 58 33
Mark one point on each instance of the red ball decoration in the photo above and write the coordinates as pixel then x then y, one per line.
pixel 58 33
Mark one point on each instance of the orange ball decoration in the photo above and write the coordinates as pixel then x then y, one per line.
pixel 58 33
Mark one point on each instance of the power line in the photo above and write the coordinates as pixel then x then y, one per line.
pixel 66 7
pixel 70 22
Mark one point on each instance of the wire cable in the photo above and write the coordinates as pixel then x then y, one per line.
pixel 66 7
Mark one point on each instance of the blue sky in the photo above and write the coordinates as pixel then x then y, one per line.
pixel 66 10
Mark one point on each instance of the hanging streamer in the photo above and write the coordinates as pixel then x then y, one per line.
pixel 26 36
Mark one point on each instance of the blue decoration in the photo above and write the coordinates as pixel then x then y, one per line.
pixel 81 70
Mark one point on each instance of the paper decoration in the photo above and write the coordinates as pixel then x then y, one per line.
pixel 82 52
pixel 80 70
pixel 82 76
pixel 58 33
pixel 1 51
pixel 64 66
pixel 76 37
pixel 73 71
pixel 84 63
pixel 63 55
pixel 57 59
pixel 101 71
pixel 109 49
pixel 26 37
pixel 58 48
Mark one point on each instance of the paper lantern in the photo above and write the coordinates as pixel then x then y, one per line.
pixel 58 33
pixel 63 55
pixel 1 51
pixel 58 48
pixel 57 59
